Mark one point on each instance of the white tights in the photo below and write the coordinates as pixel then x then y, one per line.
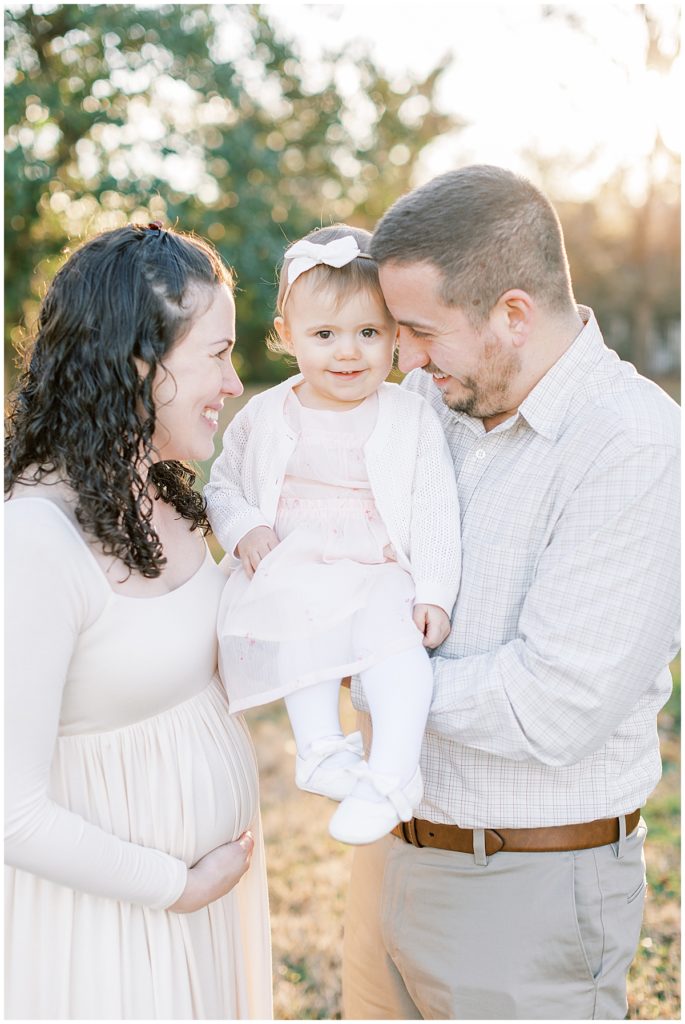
pixel 398 691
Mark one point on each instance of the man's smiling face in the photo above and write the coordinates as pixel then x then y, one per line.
pixel 472 368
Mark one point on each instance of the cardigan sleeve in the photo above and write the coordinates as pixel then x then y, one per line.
pixel 52 595
pixel 230 512
pixel 435 540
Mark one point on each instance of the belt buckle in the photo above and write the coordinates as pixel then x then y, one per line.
pixel 409 833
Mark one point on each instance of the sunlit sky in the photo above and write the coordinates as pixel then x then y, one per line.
pixel 521 81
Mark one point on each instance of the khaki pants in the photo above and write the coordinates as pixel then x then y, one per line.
pixel 431 934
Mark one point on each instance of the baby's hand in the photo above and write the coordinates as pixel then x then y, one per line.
pixel 434 623
pixel 255 546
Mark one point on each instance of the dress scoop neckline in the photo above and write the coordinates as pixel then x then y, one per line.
pixel 98 568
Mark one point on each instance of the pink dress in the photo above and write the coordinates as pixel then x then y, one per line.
pixel 330 599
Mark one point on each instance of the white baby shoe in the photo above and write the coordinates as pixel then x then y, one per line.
pixel 315 775
pixel 358 821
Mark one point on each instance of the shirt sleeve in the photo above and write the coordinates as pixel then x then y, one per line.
pixel 230 513
pixel 51 594
pixel 597 627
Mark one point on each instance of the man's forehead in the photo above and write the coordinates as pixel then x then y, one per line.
pixel 412 291
pixel 393 269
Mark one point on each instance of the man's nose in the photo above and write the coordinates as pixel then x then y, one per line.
pixel 411 352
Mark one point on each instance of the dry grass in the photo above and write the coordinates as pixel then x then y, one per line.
pixel 308 874
pixel 654 980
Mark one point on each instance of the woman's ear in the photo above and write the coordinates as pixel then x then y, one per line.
pixel 142 367
pixel 283 333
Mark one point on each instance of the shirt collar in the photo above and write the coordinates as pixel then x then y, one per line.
pixel 545 407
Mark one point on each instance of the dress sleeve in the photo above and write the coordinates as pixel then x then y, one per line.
pixel 51 594
pixel 230 512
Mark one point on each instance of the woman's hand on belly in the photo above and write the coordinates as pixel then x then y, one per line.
pixel 215 874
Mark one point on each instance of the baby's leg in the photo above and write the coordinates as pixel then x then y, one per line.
pixel 390 787
pixel 313 714
pixel 324 753
pixel 398 691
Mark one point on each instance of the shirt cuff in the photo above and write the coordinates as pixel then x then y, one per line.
pixel 357 694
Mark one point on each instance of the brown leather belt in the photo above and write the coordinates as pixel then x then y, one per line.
pixel 554 838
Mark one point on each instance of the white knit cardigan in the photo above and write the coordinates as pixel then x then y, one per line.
pixel 411 476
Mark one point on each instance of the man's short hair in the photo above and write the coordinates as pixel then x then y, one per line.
pixel 487 230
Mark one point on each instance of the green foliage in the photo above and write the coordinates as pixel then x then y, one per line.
pixel 671 711
pixel 664 816
pixel 201 116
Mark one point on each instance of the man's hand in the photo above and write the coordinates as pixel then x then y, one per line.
pixel 434 623
pixel 255 546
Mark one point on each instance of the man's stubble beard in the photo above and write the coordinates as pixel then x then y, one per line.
pixel 487 394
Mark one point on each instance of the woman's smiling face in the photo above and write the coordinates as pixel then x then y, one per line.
pixel 195 377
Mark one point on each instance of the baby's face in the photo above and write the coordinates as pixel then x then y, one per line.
pixel 344 348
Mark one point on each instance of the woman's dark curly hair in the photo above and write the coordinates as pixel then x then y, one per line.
pixel 83 410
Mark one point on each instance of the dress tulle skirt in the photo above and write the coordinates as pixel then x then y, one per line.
pixel 328 601
pixel 183 781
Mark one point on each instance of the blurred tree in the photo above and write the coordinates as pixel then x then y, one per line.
pixel 201 116
pixel 649 224
pixel 625 263
pixel 624 243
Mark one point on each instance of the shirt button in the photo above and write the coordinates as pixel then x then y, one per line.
pixel 480 454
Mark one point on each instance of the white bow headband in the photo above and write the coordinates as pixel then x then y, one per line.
pixel 304 255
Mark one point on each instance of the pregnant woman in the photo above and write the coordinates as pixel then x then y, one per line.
pixel 136 884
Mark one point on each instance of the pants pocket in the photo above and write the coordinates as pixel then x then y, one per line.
pixel 609 893
pixel 587 893
pixel 641 887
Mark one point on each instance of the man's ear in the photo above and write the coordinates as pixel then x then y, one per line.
pixel 513 313
pixel 283 332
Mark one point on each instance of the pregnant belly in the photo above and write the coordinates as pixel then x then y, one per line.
pixel 183 782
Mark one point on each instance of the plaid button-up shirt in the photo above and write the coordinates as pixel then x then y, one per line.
pixel 548 686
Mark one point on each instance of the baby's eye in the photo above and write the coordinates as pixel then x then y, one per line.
pixel 324 335
pixel 369 332
pixel 222 353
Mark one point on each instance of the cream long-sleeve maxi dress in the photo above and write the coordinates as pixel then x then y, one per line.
pixel 123 767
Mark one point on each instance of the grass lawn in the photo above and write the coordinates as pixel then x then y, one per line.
pixel 308 874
